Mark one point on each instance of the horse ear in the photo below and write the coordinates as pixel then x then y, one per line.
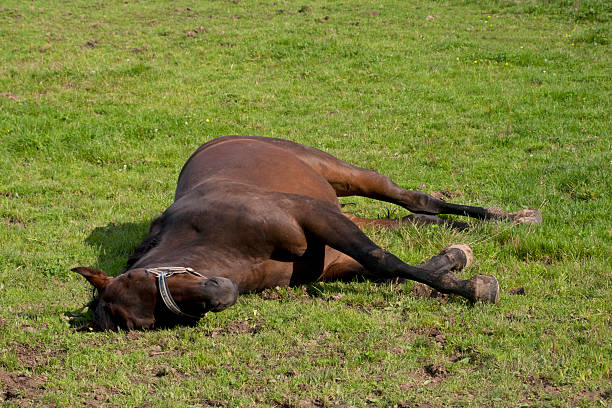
pixel 95 276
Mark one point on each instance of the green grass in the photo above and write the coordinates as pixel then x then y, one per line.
pixel 503 103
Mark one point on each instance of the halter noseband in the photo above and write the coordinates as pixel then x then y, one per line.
pixel 162 274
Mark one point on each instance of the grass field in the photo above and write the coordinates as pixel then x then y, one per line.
pixel 494 103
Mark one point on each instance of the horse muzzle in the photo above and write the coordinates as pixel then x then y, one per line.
pixel 219 293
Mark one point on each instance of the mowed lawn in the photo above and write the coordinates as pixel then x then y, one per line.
pixel 494 103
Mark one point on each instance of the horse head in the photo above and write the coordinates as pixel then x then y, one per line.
pixel 145 298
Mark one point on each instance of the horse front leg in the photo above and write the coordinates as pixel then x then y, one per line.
pixel 328 225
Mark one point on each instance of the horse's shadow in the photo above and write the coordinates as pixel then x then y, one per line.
pixel 115 242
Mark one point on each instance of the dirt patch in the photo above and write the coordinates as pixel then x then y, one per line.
pixel 31 357
pixel 285 293
pixel 271 294
pixel 415 380
pixel 320 339
pixel 543 383
pixel 214 403
pixel 316 403
pixel 13 221
pixel 9 95
pixel 10 196
pixel 195 31
pixel 157 351
pixel 21 389
pixel 421 290
pixel 446 194
pixel 90 44
pixel 593 396
pixel 238 327
pixel 99 396
pixel 546 260
pixel 518 291
pixel 469 355
pixel 431 335
pixel 436 336
pixel 436 371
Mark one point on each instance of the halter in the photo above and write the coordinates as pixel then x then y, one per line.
pixel 164 272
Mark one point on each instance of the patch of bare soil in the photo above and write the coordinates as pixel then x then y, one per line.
pixel 156 351
pixel 602 396
pixel 271 294
pixel 195 31
pixel 432 335
pixel 423 291
pixel 414 380
pixel 437 372
pixel 316 403
pixel 216 403
pixel 446 194
pixel 319 339
pixel 539 387
pixel 31 357
pixel 544 384
pixel 470 355
pixel 286 293
pixel 518 291
pixel 24 390
pixel 13 221
pixel 98 396
pixel 90 44
pixel 8 95
pixel 239 327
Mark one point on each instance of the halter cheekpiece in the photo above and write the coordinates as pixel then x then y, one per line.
pixel 164 272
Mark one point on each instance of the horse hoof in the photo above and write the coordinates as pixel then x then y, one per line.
pixel 484 288
pixel 527 217
pixel 467 252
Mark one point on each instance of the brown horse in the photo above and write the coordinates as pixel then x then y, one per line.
pixel 252 213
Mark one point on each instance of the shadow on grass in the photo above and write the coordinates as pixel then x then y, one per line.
pixel 115 243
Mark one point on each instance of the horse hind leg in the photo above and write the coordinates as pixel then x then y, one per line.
pixel 349 180
pixel 374 185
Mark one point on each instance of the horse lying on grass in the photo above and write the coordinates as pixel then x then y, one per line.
pixel 252 213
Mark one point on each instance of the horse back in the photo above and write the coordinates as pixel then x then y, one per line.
pixel 267 163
